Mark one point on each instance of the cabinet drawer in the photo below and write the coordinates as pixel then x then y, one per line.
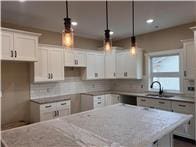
pixel 98 104
pixel 63 105
pixel 183 107
pixel 99 98
pixel 48 107
pixel 163 104
pixel 146 102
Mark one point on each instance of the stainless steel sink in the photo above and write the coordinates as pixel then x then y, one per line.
pixel 159 96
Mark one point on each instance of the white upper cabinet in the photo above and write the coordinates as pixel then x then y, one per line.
pixel 19 45
pixel 189 69
pixel 129 66
pixel 95 66
pixel 75 58
pixel 110 65
pixel 50 65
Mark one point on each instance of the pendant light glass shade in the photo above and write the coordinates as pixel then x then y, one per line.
pixel 133 46
pixel 107 41
pixel 68 33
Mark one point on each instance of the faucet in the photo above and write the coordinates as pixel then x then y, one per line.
pixel 160 89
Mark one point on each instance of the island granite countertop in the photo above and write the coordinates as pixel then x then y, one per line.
pixel 108 126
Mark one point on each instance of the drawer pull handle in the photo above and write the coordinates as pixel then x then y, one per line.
pixel 12 54
pixel 182 105
pixel 99 98
pixel 143 100
pixel 63 103
pixel 161 102
pixel 15 53
pixel 99 103
pixel 48 106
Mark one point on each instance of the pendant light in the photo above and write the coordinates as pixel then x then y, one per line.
pixel 67 34
pixel 107 40
pixel 133 38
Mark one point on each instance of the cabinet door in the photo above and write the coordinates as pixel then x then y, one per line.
pixel 7 45
pixel 108 99
pixel 25 47
pixel 69 58
pixel 189 60
pixel 120 65
pixel 100 66
pixel 146 102
pixel 115 99
pixel 130 65
pixel 91 66
pixel 63 112
pixel 56 64
pixel 80 59
pixel 47 116
pixel 110 66
pixel 41 67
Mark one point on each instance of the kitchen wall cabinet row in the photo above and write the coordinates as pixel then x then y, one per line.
pixel 174 106
pixel 19 45
pixel 43 112
pixel 89 102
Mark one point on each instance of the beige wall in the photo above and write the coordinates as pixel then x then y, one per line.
pixel 54 38
pixel 161 40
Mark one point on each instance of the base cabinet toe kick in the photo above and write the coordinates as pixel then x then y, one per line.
pixel 186 131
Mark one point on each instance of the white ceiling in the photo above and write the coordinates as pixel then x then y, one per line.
pixel 90 15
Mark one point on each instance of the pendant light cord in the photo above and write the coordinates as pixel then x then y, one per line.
pixel 67 13
pixel 106 14
pixel 133 19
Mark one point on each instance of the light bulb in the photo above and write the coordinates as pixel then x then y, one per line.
pixel 67 39
pixel 133 50
pixel 108 46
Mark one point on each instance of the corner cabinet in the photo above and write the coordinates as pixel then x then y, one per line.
pixel 95 66
pixel 19 45
pixel 129 66
pixel 50 65
pixel 75 58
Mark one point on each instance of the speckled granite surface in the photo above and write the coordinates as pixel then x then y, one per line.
pixel 51 99
pixel 115 125
pixel 175 98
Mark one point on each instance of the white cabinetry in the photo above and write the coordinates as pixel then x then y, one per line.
pixel 89 102
pixel 189 69
pixel 42 112
pixel 186 108
pixel 19 45
pixel 110 65
pixel 129 66
pixel 50 65
pixel 75 58
pixel 95 66
pixel 179 107
pixel 111 99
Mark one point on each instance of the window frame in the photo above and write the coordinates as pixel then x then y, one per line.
pixel 165 74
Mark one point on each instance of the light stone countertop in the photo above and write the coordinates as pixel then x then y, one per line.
pixel 51 99
pixel 115 126
pixel 175 98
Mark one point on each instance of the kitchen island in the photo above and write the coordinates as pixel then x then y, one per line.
pixel 115 125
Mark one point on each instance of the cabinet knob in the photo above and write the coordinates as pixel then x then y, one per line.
pixel 15 53
pixel 12 54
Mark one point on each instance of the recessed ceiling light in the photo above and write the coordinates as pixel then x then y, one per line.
pixel 111 33
pixel 149 21
pixel 22 0
pixel 74 23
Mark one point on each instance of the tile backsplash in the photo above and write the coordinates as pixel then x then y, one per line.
pixel 71 85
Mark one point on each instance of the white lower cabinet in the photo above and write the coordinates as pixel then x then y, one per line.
pixel 186 130
pixel 165 141
pixel 89 102
pixel 186 108
pixel 42 112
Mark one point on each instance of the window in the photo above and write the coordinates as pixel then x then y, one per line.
pixel 166 68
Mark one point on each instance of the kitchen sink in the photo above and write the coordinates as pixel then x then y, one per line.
pixel 161 96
